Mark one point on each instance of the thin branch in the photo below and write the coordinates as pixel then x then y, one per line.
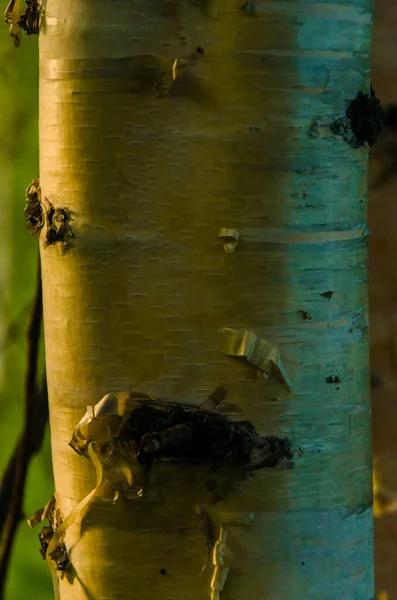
pixel 35 418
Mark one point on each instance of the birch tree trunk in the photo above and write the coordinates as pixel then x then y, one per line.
pixel 162 126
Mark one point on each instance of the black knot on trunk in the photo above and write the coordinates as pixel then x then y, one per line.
pixel 365 114
pixel 363 122
pixel 189 434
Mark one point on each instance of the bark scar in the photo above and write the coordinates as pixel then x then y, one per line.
pixel 58 557
pixel 155 432
pixel 363 121
pixel 33 210
pixel 219 555
pixel 40 212
pixel 58 226
pixel 131 440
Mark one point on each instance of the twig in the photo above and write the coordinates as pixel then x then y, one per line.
pixel 35 418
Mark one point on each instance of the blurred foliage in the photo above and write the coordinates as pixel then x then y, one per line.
pixel 28 574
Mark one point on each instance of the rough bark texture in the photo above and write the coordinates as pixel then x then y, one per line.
pixel 152 157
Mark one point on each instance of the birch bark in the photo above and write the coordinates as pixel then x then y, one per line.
pixel 160 124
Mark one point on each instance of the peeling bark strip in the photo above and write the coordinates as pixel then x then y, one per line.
pixel 58 557
pixel 12 15
pixel 33 210
pixel 58 228
pixel 256 351
pixel 363 121
pixel 156 429
pixel 230 238
pixel 28 20
pixel 120 440
pixel 39 212
pixel 219 555
pixel 221 568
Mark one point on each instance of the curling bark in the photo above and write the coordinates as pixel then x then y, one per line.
pixel 162 123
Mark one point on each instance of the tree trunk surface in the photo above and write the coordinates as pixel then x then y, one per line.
pixel 162 126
